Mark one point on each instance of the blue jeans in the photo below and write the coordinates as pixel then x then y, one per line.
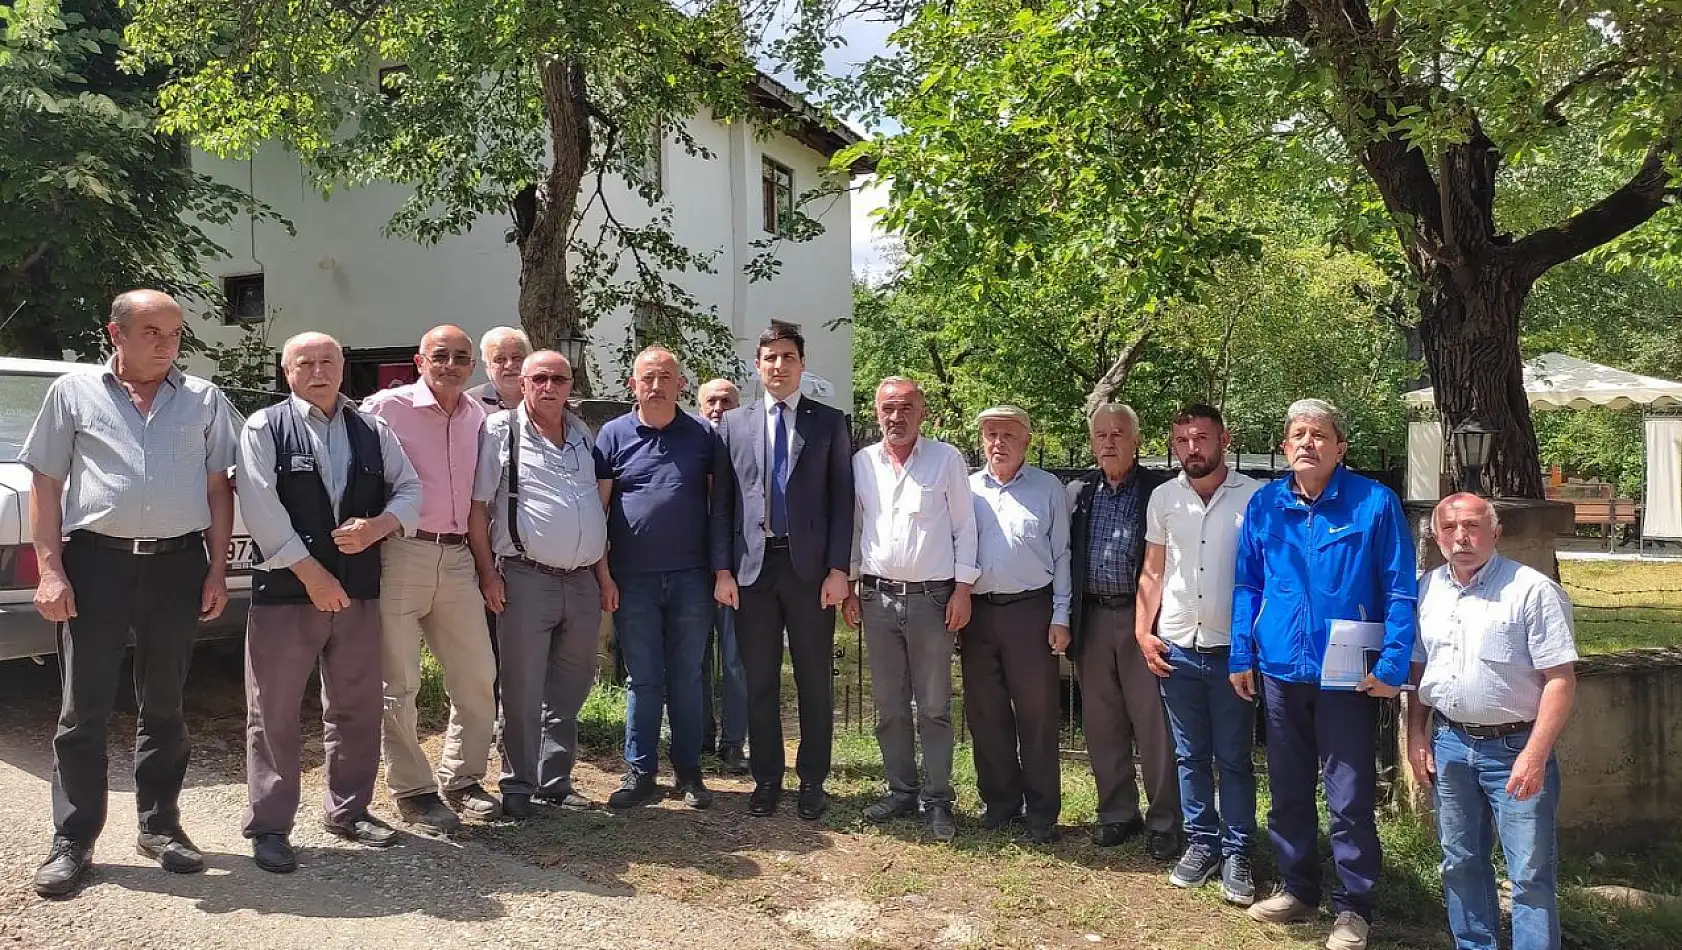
pixel 1213 731
pixel 662 627
pixel 1472 808
pixel 732 683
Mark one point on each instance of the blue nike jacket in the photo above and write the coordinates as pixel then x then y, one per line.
pixel 1346 556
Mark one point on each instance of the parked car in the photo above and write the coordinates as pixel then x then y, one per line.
pixel 23 632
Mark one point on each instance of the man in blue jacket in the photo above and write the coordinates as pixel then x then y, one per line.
pixel 1320 545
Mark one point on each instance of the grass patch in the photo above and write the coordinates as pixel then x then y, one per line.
pixel 1624 605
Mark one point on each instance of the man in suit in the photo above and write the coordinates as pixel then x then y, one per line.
pixel 782 534
pixel 1121 703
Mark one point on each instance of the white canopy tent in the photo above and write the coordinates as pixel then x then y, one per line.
pixel 1557 381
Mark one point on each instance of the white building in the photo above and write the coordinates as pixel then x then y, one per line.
pixel 378 294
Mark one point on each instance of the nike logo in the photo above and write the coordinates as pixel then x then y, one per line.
pixel 1336 529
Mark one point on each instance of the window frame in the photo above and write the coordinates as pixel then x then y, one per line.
pixel 776 196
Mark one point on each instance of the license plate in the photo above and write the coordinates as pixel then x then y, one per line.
pixel 240 549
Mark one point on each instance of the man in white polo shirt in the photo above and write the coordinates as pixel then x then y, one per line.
pixel 1184 624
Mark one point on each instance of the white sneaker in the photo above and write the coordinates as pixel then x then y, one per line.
pixel 1349 933
pixel 1282 908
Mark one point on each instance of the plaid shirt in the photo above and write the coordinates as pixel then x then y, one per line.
pixel 1116 541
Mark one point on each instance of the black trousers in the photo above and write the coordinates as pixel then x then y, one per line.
pixel 779 599
pixel 1011 701
pixel 158 597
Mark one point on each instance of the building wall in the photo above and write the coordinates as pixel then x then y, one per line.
pixel 340 274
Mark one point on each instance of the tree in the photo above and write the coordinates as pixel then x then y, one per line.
pixel 491 106
pixel 1060 129
pixel 95 201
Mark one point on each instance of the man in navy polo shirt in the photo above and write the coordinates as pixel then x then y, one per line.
pixel 653 465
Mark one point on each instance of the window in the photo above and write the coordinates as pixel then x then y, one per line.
pixel 246 304
pixel 649 164
pixel 777 192
pixel 390 79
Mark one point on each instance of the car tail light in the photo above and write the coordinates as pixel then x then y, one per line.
pixel 18 570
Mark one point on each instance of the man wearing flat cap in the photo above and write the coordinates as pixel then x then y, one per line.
pixel 1019 626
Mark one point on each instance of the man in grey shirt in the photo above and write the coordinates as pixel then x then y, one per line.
pixel 538 532
pixel 1494 662
pixel 131 465
pixel 321 485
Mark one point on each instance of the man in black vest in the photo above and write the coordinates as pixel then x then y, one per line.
pixel 320 485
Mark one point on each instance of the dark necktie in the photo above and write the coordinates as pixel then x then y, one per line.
pixel 779 474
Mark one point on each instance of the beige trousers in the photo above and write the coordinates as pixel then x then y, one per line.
pixel 431 591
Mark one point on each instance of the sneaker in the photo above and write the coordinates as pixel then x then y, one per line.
pixel 274 854
pixel 1117 832
pixel 427 814
pixel 1237 886
pixel 1349 933
pixel 694 791
pixel 172 850
pixel 568 799
pixel 1197 865
pixel 731 760
pixel 474 802
pixel 637 788
pixel 891 807
pixel 941 825
pixel 59 875
pixel 1282 908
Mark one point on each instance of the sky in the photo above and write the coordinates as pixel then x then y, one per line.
pixel 864 40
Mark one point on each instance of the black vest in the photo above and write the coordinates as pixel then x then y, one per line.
pixel 304 496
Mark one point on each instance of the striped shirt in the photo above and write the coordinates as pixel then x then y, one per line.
pixel 127 475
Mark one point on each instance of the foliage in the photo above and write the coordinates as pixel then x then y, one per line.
pixel 95 201
pixel 245 368
pixel 493 106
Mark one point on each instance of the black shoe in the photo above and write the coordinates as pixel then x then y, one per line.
pixel 637 788
pixel 731 761
pixel 1197 865
pixel 365 830
pixel 993 819
pixel 427 814
pixel 172 850
pixel 1237 886
pixel 1162 845
pixel 1118 832
pixel 274 854
pixel 62 871
pixel 941 825
pixel 895 805
pixel 694 791
pixel 763 802
pixel 814 801
pixel 569 799
pixel 517 805
pixel 1042 834
pixel 474 802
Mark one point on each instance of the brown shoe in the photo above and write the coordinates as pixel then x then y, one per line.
pixel 474 802
pixel 1282 908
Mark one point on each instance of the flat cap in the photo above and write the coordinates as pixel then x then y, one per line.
pixel 1005 413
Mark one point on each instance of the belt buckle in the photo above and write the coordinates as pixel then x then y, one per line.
pixel 134 548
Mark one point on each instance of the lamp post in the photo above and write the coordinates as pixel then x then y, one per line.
pixel 574 346
pixel 1472 444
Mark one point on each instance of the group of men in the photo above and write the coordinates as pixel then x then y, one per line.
pixel 431 512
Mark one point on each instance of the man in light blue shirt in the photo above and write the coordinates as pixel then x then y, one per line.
pixel 538 532
pixel 1010 666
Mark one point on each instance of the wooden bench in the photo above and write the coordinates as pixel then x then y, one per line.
pixel 1607 514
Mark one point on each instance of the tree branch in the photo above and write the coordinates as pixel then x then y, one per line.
pixel 1116 376
pixel 28 263
pixel 1646 193
pixel 1291 24
pixel 1610 70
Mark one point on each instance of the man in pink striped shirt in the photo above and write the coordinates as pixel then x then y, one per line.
pixel 429 589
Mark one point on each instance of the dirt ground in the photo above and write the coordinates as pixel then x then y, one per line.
pixel 657 877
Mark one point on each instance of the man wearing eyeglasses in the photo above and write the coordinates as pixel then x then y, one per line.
pixel 430 590
pixel 538 532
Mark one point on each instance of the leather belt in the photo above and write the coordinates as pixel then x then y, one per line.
pixel 905 587
pixel 1211 649
pixel 776 544
pixel 1499 731
pixel 544 568
pixel 140 545
pixel 999 599
pixel 450 539
pixel 1112 601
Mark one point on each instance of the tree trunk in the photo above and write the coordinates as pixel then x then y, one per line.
pixel 549 308
pixel 1469 329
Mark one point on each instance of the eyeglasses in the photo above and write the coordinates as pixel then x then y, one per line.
pixel 545 379
pixel 445 357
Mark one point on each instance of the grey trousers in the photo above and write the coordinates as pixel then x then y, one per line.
pixel 1121 705
pixel 911 661
pixel 546 645
pixel 283 643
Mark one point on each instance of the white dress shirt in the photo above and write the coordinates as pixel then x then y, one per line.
pixel 916 523
pixel 1201 542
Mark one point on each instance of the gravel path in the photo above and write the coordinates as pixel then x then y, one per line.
pixel 420 893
